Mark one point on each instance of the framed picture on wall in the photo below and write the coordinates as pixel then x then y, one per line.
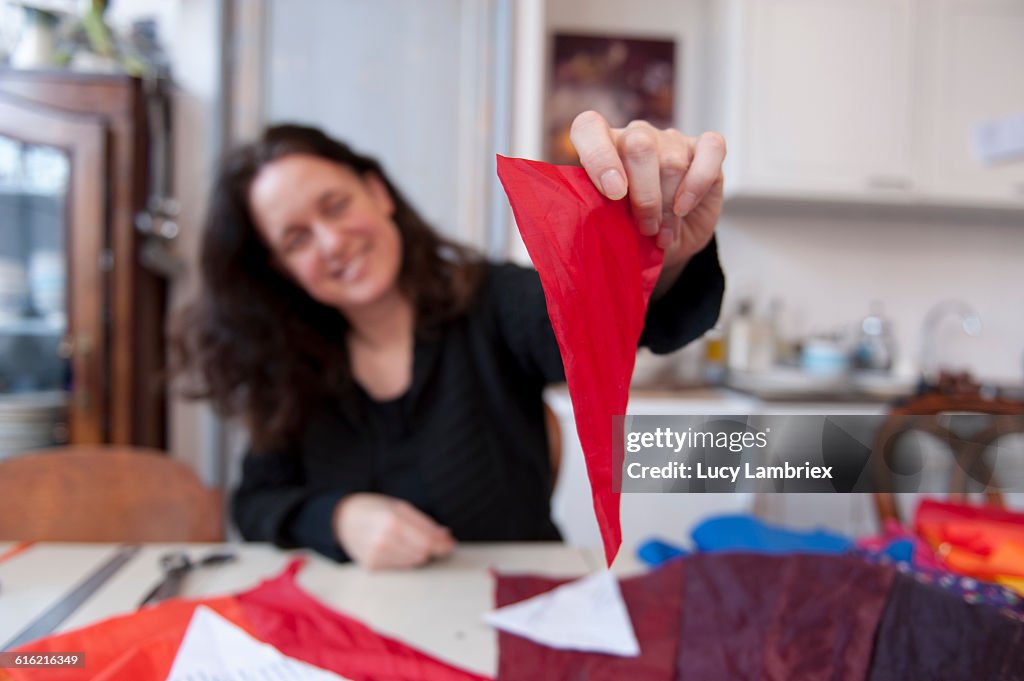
pixel 621 78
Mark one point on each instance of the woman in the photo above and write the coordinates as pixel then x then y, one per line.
pixel 391 379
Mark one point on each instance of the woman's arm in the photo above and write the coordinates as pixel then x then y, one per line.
pixel 273 503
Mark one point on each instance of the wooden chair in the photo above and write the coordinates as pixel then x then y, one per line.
pixel 105 494
pixel 969 451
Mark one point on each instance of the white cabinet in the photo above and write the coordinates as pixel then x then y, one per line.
pixel 972 57
pixel 868 101
pixel 829 99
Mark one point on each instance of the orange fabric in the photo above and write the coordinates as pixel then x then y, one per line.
pixel 980 537
pixel 141 646
pixel 1014 583
pixel 598 273
pixel 1005 560
pixel 135 647
pixel 979 541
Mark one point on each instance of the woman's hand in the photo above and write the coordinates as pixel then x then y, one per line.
pixel 674 182
pixel 379 532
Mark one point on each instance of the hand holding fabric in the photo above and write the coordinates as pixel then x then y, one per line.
pixel 674 182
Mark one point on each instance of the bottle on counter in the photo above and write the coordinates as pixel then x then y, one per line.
pixel 764 337
pixel 876 348
pixel 741 334
pixel 714 356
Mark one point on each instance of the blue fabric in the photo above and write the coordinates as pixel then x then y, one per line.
pixel 654 552
pixel 900 551
pixel 746 533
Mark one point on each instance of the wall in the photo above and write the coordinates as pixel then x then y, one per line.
pixel 412 84
pixel 827 270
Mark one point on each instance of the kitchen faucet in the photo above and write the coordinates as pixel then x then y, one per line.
pixel 968 319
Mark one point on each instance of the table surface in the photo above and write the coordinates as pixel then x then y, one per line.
pixel 436 608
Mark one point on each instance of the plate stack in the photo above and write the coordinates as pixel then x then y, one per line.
pixel 32 421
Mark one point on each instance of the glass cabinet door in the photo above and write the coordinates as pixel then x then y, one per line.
pixel 34 358
pixel 53 278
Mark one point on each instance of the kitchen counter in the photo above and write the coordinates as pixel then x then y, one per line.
pixel 660 399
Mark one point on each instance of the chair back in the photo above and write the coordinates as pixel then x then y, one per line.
pixel 105 494
pixel 968 451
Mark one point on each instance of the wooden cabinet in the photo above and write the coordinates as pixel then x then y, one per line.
pixel 81 321
pixel 871 101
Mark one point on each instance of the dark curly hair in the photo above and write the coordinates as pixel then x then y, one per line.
pixel 254 341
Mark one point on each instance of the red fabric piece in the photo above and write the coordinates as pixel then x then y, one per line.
pixel 302 627
pixel 140 646
pixel 655 604
pixel 980 541
pixel 598 273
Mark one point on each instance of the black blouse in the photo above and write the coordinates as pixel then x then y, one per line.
pixel 466 444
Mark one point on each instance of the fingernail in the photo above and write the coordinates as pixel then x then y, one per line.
pixel 613 184
pixel 685 204
pixel 649 227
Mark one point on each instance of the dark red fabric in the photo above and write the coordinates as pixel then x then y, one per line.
pixel 768 618
pixel 654 601
pixel 929 634
pixel 304 628
pixel 598 273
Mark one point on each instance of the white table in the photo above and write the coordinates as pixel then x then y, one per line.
pixel 436 608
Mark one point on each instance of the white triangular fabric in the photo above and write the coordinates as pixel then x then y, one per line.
pixel 588 614
pixel 215 649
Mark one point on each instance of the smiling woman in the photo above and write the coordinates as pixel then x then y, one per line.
pixel 392 380
pixel 288 217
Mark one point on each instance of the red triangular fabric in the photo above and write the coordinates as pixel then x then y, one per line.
pixel 655 604
pixel 141 646
pixel 598 273
pixel 136 647
pixel 302 627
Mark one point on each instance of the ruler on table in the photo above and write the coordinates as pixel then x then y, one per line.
pixel 62 609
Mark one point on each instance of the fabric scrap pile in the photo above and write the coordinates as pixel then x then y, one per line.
pixel 754 616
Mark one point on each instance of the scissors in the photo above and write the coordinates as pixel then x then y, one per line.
pixel 176 565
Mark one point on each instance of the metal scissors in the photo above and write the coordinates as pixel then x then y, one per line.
pixel 176 565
